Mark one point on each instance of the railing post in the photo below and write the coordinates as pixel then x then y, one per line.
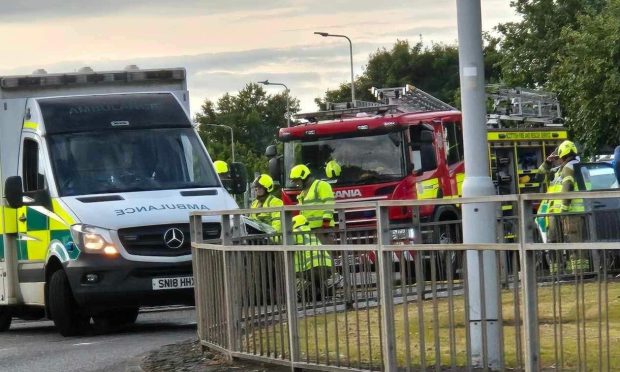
pixel 346 256
pixel 196 236
pixel 231 322
pixel 529 287
pixel 385 291
pixel 291 286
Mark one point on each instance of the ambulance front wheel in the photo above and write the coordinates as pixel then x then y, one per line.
pixel 112 320
pixel 5 319
pixel 67 317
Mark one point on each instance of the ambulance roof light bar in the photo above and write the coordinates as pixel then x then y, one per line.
pixel 87 76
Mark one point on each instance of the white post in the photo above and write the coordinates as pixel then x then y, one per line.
pixel 477 217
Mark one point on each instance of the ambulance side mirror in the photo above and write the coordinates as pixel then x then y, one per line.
pixel 239 178
pixel 14 192
pixel 275 169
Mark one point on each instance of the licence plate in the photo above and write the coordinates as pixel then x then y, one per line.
pixel 173 283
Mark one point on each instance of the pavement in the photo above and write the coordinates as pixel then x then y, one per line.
pixel 187 356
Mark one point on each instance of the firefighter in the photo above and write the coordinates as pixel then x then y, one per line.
pixel 314 192
pixel 263 186
pixel 221 167
pixel 311 267
pixel 563 228
pixel 332 169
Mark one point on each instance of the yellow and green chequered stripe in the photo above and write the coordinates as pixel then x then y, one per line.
pixel 41 227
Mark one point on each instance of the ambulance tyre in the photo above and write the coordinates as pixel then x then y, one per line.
pixel 5 318
pixel 111 320
pixel 63 308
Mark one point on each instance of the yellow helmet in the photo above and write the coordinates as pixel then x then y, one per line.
pixel 265 181
pixel 332 169
pixel 566 148
pixel 220 166
pixel 299 220
pixel 299 172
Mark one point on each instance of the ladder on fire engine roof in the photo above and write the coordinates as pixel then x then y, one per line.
pixel 406 99
pixel 338 113
pixel 518 107
pixel 410 99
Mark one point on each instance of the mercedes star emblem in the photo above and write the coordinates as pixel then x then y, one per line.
pixel 174 238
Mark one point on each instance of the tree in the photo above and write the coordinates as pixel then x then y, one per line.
pixel 587 78
pixel 255 118
pixel 434 69
pixel 532 46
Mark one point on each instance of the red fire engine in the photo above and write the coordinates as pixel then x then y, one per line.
pixel 407 146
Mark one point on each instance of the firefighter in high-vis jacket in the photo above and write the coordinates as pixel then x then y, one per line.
pixel 314 192
pixel 221 167
pixel 263 187
pixel 565 228
pixel 313 267
pixel 332 169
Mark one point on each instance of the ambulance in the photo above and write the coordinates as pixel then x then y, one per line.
pixel 99 171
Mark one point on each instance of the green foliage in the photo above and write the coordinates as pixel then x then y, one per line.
pixel 434 69
pixel 532 46
pixel 587 78
pixel 255 118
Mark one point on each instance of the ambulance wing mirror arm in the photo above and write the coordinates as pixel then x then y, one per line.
pixel 14 192
pixel 239 178
pixel 275 169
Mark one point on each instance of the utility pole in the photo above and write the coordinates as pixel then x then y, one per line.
pixel 484 322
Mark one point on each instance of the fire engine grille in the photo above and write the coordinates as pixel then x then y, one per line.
pixel 163 240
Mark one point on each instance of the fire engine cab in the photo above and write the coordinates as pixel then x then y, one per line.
pixel 406 146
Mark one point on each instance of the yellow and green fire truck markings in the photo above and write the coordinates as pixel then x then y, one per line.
pixel 533 135
pixel 428 189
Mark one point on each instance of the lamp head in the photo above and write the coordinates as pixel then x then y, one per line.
pixel 324 34
pixel 266 82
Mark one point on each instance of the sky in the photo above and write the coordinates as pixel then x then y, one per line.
pixel 224 44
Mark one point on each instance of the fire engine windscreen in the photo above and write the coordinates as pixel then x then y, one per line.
pixel 363 160
pixel 100 162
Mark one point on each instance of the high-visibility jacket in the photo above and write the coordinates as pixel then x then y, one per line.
pixel 306 260
pixel 319 192
pixel 272 218
pixel 563 181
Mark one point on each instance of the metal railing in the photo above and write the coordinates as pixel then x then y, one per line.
pixel 406 295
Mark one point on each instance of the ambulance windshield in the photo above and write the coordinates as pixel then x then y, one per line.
pixel 109 161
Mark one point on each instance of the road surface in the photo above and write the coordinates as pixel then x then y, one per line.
pixel 37 346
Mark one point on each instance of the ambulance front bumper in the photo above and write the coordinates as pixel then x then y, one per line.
pixel 99 282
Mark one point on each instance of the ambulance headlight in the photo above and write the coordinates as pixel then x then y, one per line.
pixel 93 239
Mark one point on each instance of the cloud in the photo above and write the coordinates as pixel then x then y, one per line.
pixel 37 9
pixel 223 44
pixel 307 70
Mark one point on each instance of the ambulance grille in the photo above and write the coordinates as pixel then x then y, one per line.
pixel 150 241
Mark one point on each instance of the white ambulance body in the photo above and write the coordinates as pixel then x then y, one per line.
pixel 99 171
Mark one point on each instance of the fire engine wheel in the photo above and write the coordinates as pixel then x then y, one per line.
pixel 449 260
pixel 5 319
pixel 65 312
pixel 111 320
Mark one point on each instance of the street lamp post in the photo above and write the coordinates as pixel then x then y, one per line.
pixel 232 137
pixel 288 113
pixel 326 34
